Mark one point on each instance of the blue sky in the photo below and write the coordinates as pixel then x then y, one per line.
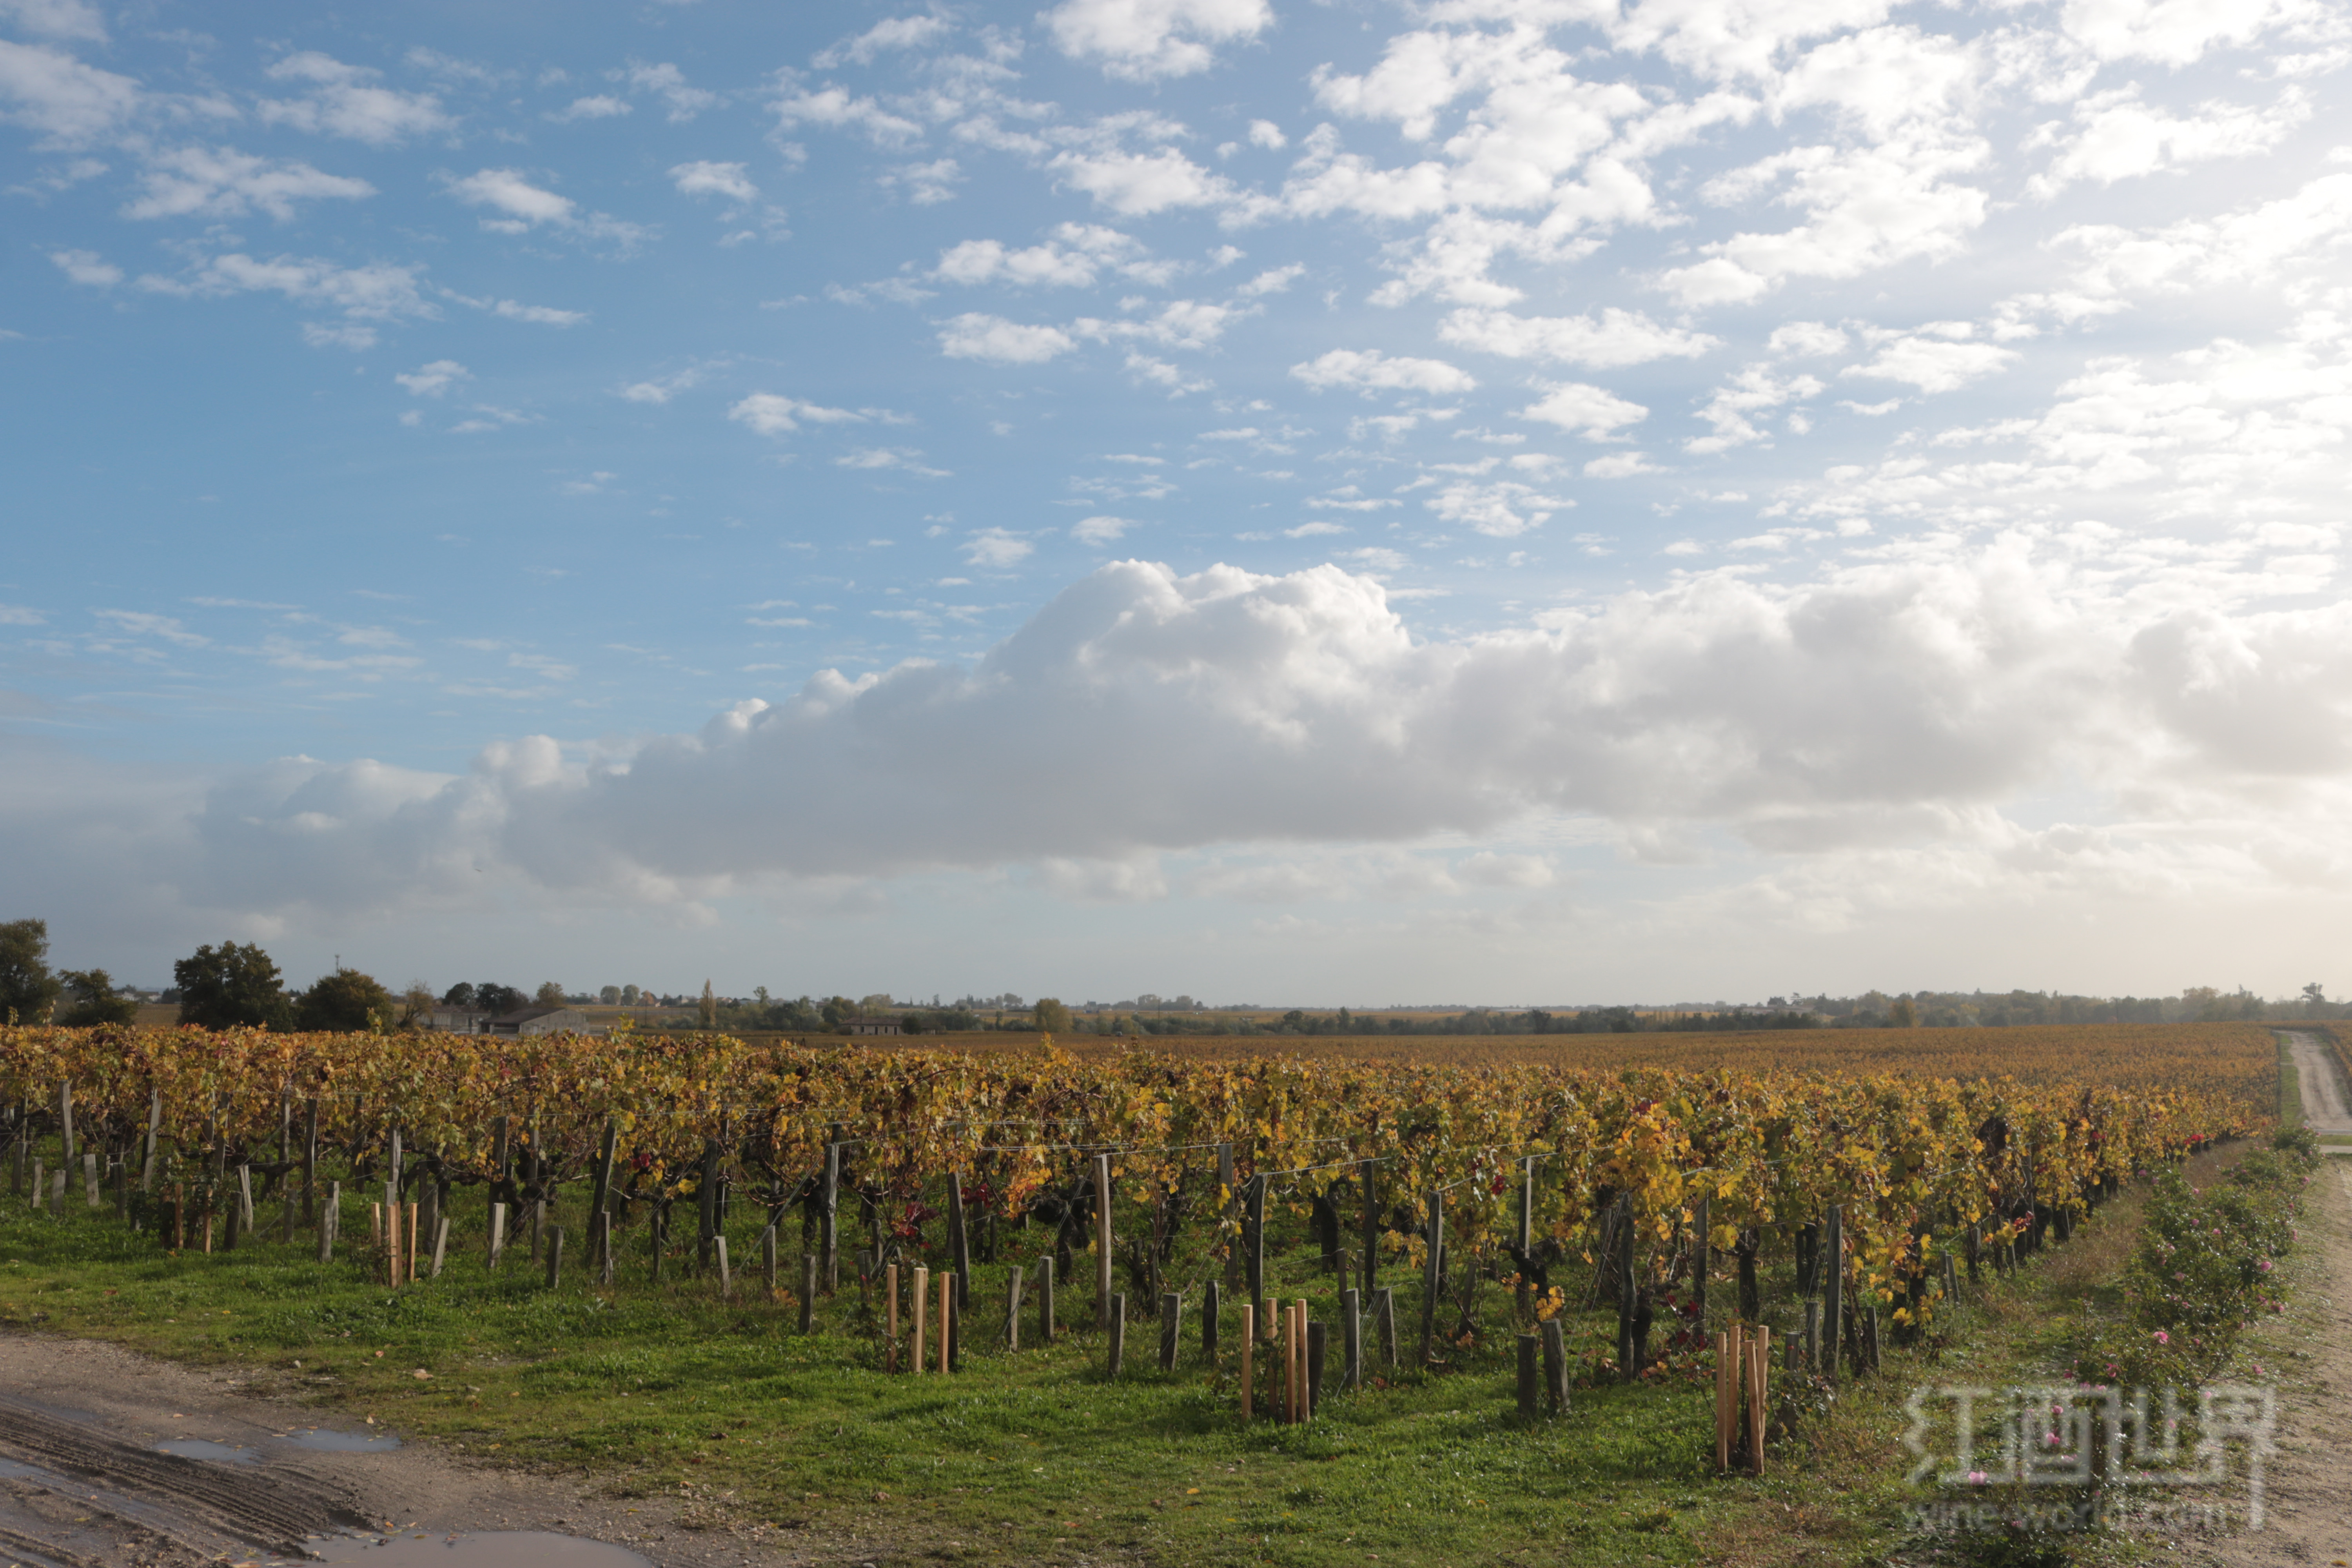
pixel 1496 499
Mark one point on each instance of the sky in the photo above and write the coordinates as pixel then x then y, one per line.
pixel 1508 501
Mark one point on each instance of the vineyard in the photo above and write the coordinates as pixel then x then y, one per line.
pixel 1588 1175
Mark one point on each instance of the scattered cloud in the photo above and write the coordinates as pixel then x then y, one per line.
pixel 432 380
pixel 974 335
pixel 1369 371
pixel 772 414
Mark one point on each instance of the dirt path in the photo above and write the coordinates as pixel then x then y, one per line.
pixel 85 1479
pixel 2308 1483
pixel 2324 1107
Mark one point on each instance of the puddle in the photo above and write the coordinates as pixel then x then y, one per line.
pixel 198 1449
pixel 489 1549
pixel 320 1440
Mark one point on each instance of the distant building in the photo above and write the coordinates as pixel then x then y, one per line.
pixel 455 1020
pixel 871 1026
pixel 537 1021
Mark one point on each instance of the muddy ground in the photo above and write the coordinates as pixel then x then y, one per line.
pixel 84 1479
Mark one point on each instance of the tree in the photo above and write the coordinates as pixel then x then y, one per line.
pixel 610 995
pixel 343 1002
pixel 460 995
pixel 91 1000
pixel 709 1008
pixel 629 994
pixel 549 995
pixel 231 988
pixel 1903 1014
pixel 493 998
pixel 417 1005
pixel 27 989
pixel 1053 1018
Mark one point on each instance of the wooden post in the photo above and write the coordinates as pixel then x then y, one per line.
pixel 1352 1341
pixel 1102 1240
pixel 1727 1347
pixel 1529 1349
pixel 1211 1308
pixel 1364 1170
pixel 40 1186
pixel 497 1233
pixel 65 1122
pixel 440 1244
pixel 767 1263
pixel 828 1219
pixel 1317 1335
pixel 1254 1250
pixel 1432 1277
pixel 808 1292
pixel 890 1303
pixel 959 1238
pixel 947 1324
pixel 1046 1328
pixel 154 1126
pixel 1118 1335
pixel 1555 1356
pixel 600 1193
pixel 1384 1323
pixel 1228 1199
pixel 1526 1236
pixel 922 1313
pixel 1702 1260
pixel 554 1255
pixel 1832 1269
pixel 1759 1361
pixel 726 1274
pixel 89 1181
pixel 1013 1278
pixel 1629 1354
pixel 309 1155
pixel 1249 1343
pixel 1171 1318
pixel 328 1213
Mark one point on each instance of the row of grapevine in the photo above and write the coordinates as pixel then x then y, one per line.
pixel 1911 1159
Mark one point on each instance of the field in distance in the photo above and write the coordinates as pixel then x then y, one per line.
pixel 2235 1058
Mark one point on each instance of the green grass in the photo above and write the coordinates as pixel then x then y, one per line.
pixel 2290 1085
pixel 1032 1456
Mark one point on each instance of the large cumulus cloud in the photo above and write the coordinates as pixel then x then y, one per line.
pixel 1896 699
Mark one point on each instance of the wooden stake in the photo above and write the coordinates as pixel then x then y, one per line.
pixel 497 1233
pixel 726 1276
pixel 947 1296
pixel 554 1255
pixel 808 1292
pixel 1760 1361
pixel 1046 1327
pixel 1249 1341
pixel 922 1296
pixel 890 1299
pixel 1102 1239
pixel 408 1270
pixel 1012 1281
pixel 440 1244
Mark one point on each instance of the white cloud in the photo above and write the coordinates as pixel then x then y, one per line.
pixel 1136 185
pixel 1141 39
pixel 893 33
pixel 837 109
pixel 220 182
pixel 527 206
pixel 1266 133
pixel 1500 509
pixel 602 106
pixel 86 268
pixel 685 102
pixel 50 91
pixel 1273 280
pixel 2177 32
pixel 56 18
pixel 1074 258
pixel 2119 137
pixel 663 388
pixel 926 184
pixel 1617 338
pixel 346 335
pixel 1753 390
pixel 1370 370
pixel 973 335
pixel 373 293
pixel 1595 411
pixel 1937 358
pixel 706 179
pixel 1101 529
pixel 432 380
pixel 772 414
pixel 995 550
pixel 343 101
